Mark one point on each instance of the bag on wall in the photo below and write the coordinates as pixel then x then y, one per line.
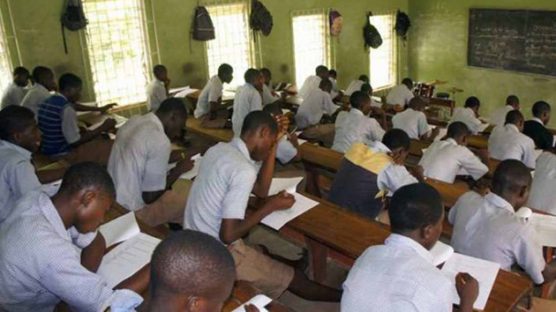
pixel 336 23
pixel 371 35
pixel 402 24
pixel 260 18
pixel 73 18
pixel 203 28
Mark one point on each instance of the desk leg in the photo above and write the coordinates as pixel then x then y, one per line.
pixel 549 254
pixel 318 254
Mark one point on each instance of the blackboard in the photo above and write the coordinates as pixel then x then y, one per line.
pixel 515 40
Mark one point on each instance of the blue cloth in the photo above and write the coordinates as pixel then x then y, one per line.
pixel 50 123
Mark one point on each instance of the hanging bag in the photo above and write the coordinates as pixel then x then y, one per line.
pixel 73 18
pixel 260 18
pixel 203 28
pixel 371 35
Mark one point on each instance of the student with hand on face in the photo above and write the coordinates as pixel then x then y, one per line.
pixel 248 99
pixel 536 127
pixel 313 82
pixel 157 90
pixel 269 96
pixel 210 99
pixel 414 121
pixel 469 115
pixel 401 94
pixel 287 150
pixel 43 83
pixel 400 275
pixel 498 117
pixel 51 248
pixel 15 92
pixel 356 85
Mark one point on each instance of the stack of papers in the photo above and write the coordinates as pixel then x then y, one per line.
pixel 182 92
pixel 191 174
pixel 259 301
pixel 441 253
pixel 120 121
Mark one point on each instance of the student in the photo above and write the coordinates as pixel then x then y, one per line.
pixel 486 227
pixel 313 82
pixel 333 77
pixel 50 249
pixel 13 95
pixel 229 173
pixel 157 90
pixel 401 94
pixel 446 159
pixel 356 85
pixel 507 141
pixel 43 84
pixel 369 173
pixel 498 117
pixel 368 89
pixel 248 99
pixel 536 127
pixel 400 275
pixel 61 137
pixel 287 150
pixel 469 115
pixel 414 121
pixel 543 195
pixel 210 99
pixel 269 96
pixel 139 164
pixel 356 126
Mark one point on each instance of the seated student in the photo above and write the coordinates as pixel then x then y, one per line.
pixel 269 96
pixel 486 227
pixel 498 117
pixel 333 77
pixel 13 95
pixel 61 137
pixel 507 141
pixel 400 275
pixel 139 164
pixel 414 122
pixel 368 173
pixel 210 99
pixel 356 85
pixel 50 249
pixel 356 126
pixel 536 127
pixel 444 160
pixel 368 89
pixel 287 150
pixel 469 115
pixel 43 84
pixel 401 94
pixel 229 173
pixel 543 196
pixel 157 90
pixel 313 82
pixel 248 98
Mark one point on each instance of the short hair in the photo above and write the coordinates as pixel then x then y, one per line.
pixel 364 78
pixel 472 102
pixel 540 108
pixel 20 70
pixel 224 69
pixel 258 119
pixel 414 207
pixel 87 174
pixel 457 129
pixel 14 119
pixel 512 99
pixel 172 105
pixel 511 176
pixel 159 69
pixel 41 72
pixel 273 109
pixel 191 262
pixel 333 72
pixel 251 74
pixel 358 98
pixel 396 138
pixel 266 72
pixel 514 117
pixel 417 101
pixel 407 82
pixel 321 69
pixel 325 83
pixel 69 81
pixel 366 88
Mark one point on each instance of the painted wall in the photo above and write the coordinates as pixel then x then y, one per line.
pixel 438 50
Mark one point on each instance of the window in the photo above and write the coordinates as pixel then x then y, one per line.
pixel 5 64
pixel 233 44
pixel 383 60
pixel 310 44
pixel 117 49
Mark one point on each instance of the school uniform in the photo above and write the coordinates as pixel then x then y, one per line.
pixel 507 142
pixel 310 84
pixel 399 95
pixel 317 103
pixel 366 174
pixel 543 195
pixel 498 116
pixel 13 95
pixel 445 159
pixel 467 116
pixel 268 97
pixel 335 88
pixel 58 125
pixel 247 99
pixel 212 92
pixel 17 176
pixel 221 191
pixel 536 130
pixel 397 276
pixel 156 94
pixel 35 96
pixel 354 126
pixel 413 122
pixel 40 262
pixel 486 227
pixel 285 151
pixel 354 86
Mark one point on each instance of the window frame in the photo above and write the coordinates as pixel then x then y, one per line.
pixel 394 55
pixel 7 55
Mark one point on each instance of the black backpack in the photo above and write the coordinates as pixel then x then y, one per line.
pixel 371 35
pixel 402 24
pixel 203 28
pixel 260 18
pixel 73 19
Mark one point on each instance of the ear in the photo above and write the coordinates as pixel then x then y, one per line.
pixel 427 232
pixel 524 191
pixel 195 304
pixel 87 197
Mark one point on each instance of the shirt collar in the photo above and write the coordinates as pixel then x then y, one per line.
pixel 538 120
pixel 499 202
pixel 357 111
pixel 20 150
pixel 400 241
pixel 451 141
pixel 379 146
pixel 156 121
pixel 512 126
pixel 51 214
pixel 242 148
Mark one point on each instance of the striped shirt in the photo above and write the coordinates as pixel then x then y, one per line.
pixel 58 125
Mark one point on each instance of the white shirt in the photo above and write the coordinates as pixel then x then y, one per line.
pixel 507 142
pixel 487 228
pixel 354 86
pixel 156 94
pixel 285 151
pixel 398 276
pixel 399 95
pixel 467 116
pixel 247 99
pixel 310 84
pixel 36 95
pixel 413 122
pixel 139 160
pixel 445 159
pixel 212 92
pixel 268 97
pixel 352 127
pixel 498 116
pixel 393 176
pixel 312 109
pixel 13 95
pixel 543 190
pixel 70 128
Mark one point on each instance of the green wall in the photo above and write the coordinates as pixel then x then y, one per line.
pixel 438 50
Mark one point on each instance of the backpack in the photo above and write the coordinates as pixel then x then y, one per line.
pixel 73 19
pixel 371 35
pixel 260 18
pixel 336 23
pixel 402 24
pixel 203 29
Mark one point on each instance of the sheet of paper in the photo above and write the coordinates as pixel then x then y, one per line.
pixel 280 184
pixel 259 301
pixel 120 121
pixel 285 111
pixel 301 141
pixel 441 134
pixel 545 227
pixel 278 219
pixel 185 92
pixel 441 253
pixel 120 229
pixel 483 127
pixel 191 174
pixel 483 271
pixel 127 258
pixel 176 90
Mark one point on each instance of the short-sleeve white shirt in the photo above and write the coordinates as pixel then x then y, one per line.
pixel 399 95
pixel 354 86
pixel 507 142
pixel 317 103
pixel 212 92
pixel 467 116
pixel 543 190
pixel 13 95
pixel 498 116
pixel 156 94
pixel 36 95
pixel 310 84
pixel 352 127
pixel 247 99
pixel 413 122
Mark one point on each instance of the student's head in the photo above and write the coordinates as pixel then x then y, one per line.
pixel 71 87
pixel 173 114
pixel 325 85
pixel 418 103
pixel 18 126
pixel 160 72
pixel 225 73
pixel 192 271
pixel 408 83
pixel 364 78
pixel 322 71
pixel 333 74
pixel 361 101
pixel 267 75
pixel 513 101
pixel 511 181
pixel 416 211
pixel 21 76
pixel 90 192
pixel 259 134
pixel 459 132
pixel 541 110
pixel 273 109
pixel 473 103
pixel 44 76
pixel 254 77
pixel 398 142
pixel 516 118
pixel 367 89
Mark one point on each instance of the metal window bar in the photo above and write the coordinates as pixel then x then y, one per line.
pixel 5 64
pixel 383 61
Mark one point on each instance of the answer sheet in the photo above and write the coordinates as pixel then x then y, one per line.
pixel 259 301
pixel 545 228
pixel 191 174
pixel 120 229
pixel 284 184
pixel 278 219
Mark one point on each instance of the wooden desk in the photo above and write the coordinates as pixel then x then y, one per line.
pixel 218 135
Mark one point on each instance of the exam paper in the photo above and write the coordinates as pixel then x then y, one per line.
pixel 483 127
pixel 278 219
pixel 120 229
pixel 441 134
pixel 183 92
pixel 259 301
pixel 545 228
pixel 280 184
pixel 441 253
pixel 120 121
pixel 191 174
